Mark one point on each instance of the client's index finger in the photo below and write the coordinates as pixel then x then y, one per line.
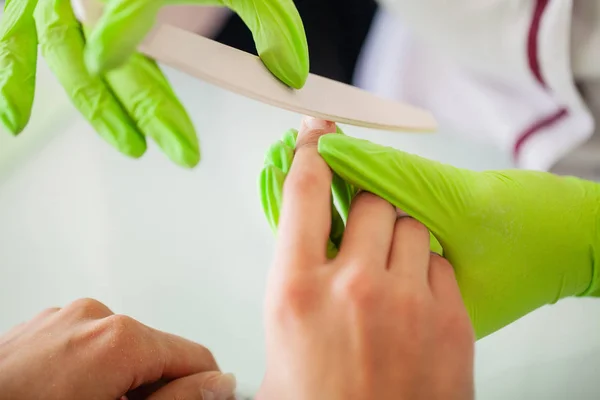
pixel 305 220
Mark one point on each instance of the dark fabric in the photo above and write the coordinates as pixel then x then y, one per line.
pixel 335 30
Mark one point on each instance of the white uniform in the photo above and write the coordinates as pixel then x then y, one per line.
pixel 524 74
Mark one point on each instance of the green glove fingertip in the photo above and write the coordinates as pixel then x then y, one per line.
pixel 271 193
pixel 290 70
pixel 10 121
pixel 279 36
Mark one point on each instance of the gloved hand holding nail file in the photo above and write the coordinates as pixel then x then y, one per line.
pixel 517 239
pixel 126 104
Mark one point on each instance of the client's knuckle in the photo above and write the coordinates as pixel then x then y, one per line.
pixel 359 288
pixel 87 308
pixel 297 298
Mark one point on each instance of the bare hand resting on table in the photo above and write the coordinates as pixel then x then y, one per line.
pixel 84 351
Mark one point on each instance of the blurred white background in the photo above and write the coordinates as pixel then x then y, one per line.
pixel 188 251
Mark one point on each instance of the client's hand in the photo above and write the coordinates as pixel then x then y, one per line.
pixel 84 351
pixel 384 319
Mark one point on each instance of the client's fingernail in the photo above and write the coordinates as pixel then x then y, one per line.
pixel 312 129
pixel 226 387
pixel 222 389
pixel 318 124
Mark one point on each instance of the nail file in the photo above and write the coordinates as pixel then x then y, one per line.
pixel 245 74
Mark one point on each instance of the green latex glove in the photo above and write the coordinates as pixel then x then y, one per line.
pixel 275 25
pixel 517 239
pixel 131 102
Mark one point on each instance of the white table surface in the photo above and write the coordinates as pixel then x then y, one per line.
pixel 188 251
